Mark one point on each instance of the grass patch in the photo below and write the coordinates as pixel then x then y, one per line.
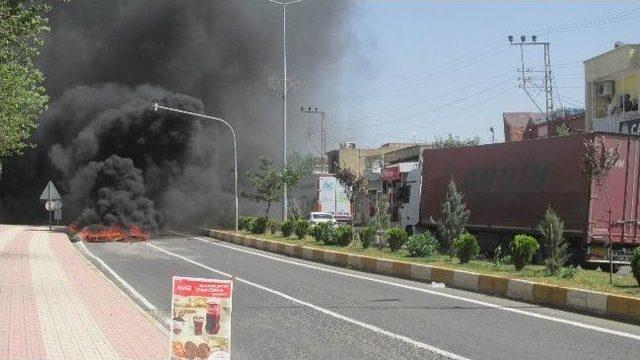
pixel 584 279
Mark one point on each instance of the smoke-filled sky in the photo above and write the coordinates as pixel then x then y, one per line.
pixel 106 61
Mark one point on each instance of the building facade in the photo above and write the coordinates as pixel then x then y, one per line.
pixel 612 86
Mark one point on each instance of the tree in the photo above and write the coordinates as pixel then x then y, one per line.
pixel 453 218
pixel 598 160
pixel 563 130
pixel 354 185
pixel 552 229
pixel 297 169
pixel 454 142
pixel 22 25
pixel 266 183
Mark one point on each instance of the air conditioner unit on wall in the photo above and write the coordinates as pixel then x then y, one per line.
pixel 604 88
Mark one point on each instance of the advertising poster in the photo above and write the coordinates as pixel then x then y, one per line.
pixel 327 193
pixel 201 324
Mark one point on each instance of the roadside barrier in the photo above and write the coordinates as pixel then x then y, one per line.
pixel 619 307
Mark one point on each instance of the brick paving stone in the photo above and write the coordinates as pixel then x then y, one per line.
pixel 20 336
pixel 125 326
pixel 54 304
pixel 68 329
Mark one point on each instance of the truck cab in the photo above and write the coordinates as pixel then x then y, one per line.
pixel 409 201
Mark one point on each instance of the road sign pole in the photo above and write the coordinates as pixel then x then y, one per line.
pixel 49 187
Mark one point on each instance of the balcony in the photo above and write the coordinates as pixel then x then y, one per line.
pixel 624 122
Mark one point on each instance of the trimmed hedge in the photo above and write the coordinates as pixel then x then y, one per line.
pixel 342 235
pixel 367 235
pixel 466 247
pixel 259 225
pixel 635 264
pixel 287 227
pixel 396 238
pixel 421 245
pixel 322 232
pixel 301 228
pixel 523 247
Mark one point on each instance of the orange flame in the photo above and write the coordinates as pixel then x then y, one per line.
pixel 110 233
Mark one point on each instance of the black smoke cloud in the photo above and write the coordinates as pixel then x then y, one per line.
pixel 114 194
pixel 106 61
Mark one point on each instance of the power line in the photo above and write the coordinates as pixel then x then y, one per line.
pixel 418 78
pixel 424 101
pixel 432 110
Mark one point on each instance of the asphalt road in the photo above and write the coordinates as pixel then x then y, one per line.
pixel 286 308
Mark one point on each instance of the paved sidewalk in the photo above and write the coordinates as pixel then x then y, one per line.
pixel 55 305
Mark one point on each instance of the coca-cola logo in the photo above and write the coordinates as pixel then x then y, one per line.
pixel 183 287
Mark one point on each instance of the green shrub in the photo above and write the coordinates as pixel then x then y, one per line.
pixel 246 222
pixel 497 257
pixel 259 225
pixel 342 235
pixel 523 247
pixel 287 227
pixel 635 264
pixel 242 222
pixel 301 228
pixel 421 245
pixel 466 247
pixel 273 226
pixel 396 238
pixel 367 236
pixel 567 272
pixel 322 232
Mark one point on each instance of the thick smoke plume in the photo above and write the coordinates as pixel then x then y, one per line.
pixel 115 195
pixel 114 159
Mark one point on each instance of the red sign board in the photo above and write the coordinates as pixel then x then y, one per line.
pixel 201 324
pixel 390 173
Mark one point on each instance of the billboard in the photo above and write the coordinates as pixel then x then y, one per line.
pixel 327 193
pixel 332 198
pixel 201 324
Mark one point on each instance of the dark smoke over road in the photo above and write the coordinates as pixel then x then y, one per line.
pixel 114 158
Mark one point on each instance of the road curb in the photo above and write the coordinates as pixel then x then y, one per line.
pixel 612 306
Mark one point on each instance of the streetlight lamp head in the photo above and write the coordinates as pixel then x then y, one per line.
pixel 510 37
pixel 523 38
pixel 534 38
pixel 155 106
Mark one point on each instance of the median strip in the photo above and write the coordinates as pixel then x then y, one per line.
pixel 608 305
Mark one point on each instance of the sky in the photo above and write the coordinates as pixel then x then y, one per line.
pixel 417 70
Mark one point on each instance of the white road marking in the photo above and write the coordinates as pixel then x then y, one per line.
pixel 129 288
pixel 404 286
pixel 373 328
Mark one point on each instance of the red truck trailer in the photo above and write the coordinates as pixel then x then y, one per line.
pixel 508 186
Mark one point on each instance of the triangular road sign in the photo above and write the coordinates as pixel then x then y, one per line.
pixel 50 192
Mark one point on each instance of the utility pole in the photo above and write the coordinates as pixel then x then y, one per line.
pixel 323 134
pixel 548 87
pixel 285 206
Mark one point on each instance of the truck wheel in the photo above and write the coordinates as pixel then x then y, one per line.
pixel 605 268
pixel 409 230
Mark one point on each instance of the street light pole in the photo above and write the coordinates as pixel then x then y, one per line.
pixel 285 200
pixel 156 106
